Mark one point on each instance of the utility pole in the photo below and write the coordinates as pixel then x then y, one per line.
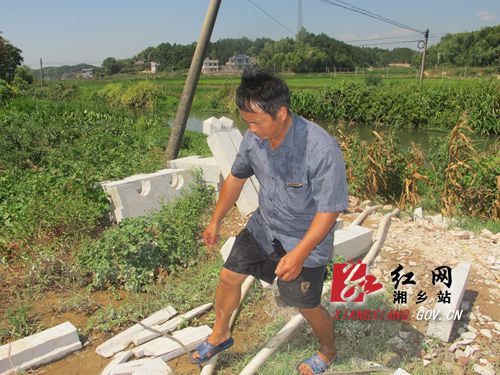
pixel 179 125
pixel 426 35
pixel 41 72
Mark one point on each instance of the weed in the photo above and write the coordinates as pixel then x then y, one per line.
pixel 20 321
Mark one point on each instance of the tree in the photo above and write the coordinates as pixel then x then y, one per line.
pixel 10 59
pixel 111 66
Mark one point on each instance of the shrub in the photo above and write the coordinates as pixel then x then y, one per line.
pixel 132 253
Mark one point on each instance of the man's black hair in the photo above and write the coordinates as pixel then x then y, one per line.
pixel 263 90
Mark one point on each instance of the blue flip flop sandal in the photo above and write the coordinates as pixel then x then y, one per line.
pixel 207 350
pixel 316 363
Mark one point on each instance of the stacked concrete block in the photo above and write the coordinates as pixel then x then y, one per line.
pixel 442 326
pixel 208 166
pixel 138 194
pixel 352 241
pixel 214 124
pixel 39 349
pixel 224 145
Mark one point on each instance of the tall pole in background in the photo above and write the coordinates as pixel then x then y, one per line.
pixel 299 18
pixel 426 35
pixel 41 72
pixel 179 125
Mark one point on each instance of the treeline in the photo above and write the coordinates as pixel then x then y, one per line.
pixel 307 53
pixel 479 48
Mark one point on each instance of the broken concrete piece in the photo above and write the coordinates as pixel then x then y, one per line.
pixel 224 145
pixel 441 327
pixel 167 349
pixel 138 194
pixel 123 339
pixel 226 122
pixel 170 325
pixel 400 371
pixel 119 358
pixel 352 241
pixel 39 349
pixel 146 366
pixel 418 214
pixel 211 125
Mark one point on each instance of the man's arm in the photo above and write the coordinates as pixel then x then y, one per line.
pixel 291 264
pixel 228 196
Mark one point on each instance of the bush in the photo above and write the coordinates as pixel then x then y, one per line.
pixel 142 95
pixel 373 80
pixel 132 253
pixel 6 91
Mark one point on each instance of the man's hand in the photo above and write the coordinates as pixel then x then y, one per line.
pixel 211 234
pixel 289 267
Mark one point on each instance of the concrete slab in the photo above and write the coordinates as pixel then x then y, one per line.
pixel 352 241
pixel 39 349
pixel 170 325
pixel 123 339
pixel 209 167
pixel 138 194
pixel 168 349
pixel 441 327
pixel 400 371
pixel 146 366
pixel 224 145
pixel 211 125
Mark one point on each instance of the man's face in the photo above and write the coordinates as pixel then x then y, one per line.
pixel 263 125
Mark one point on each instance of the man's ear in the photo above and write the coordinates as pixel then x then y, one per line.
pixel 282 113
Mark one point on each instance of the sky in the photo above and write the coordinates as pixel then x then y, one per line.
pixel 68 32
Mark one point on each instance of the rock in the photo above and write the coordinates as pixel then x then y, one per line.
pixel 483 361
pixel 426 362
pixel 463 234
pixel 430 355
pixel 461 330
pixel 468 351
pixel 463 361
pixel 453 347
pixel 459 354
pixel 486 333
pixel 487 318
pixel 412 263
pixel 490 259
pixel 468 335
pixel 497 326
pixel 397 342
pixel 448 365
pixel 365 203
pixel 472 316
pixel 404 335
pixel 468 327
pixel 484 370
pixel 487 233
pixel 465 342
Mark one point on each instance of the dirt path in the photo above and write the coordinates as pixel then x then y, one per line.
pixel 419 246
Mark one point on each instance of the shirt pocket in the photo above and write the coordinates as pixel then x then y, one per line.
pixel 295 194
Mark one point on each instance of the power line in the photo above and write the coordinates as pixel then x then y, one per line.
pixel 269 15
pixel 388 43
pixel 345 5
pixel 381 38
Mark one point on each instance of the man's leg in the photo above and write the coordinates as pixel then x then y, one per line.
pixel 322 324
pixel 227 299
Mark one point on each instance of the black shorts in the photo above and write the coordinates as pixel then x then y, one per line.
pixel 248 258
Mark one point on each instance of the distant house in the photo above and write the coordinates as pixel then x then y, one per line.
pixel 238 62
pixel 140 62
pixel 87 73
pixel 153 65
pixel 210 66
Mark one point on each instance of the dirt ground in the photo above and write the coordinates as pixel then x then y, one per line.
pixel 418 245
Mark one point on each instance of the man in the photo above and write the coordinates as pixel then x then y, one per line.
pixel 302 191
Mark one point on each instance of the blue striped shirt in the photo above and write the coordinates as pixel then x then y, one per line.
pixel 304 175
